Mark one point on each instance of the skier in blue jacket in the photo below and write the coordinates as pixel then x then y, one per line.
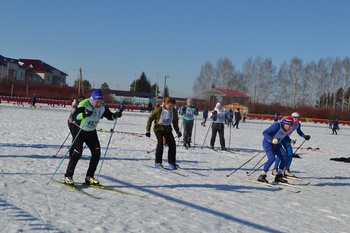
pixel 287 145
pixel 271 143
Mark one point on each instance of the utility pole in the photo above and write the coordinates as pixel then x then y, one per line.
pixel 167 76
pixel 157 85
pixel 80 83
pixel 135 83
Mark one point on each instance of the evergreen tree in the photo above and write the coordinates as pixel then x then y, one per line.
pixel 142 84
pixel 86 84
pixel 104 86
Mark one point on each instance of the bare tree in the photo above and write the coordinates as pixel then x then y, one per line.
pixel 282 85
pixel 205 80
pixel 239 82
pixel 335 76
pixel 248 75
pixel 309 84
pixel 268 77
pixel 346 68
pixel 257 73
pixel 296 75
pixel 224 73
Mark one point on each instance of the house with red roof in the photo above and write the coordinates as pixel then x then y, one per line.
pixel 41 72
pixel 228 98
pixel 30 70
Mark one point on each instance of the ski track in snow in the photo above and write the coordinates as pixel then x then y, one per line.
pixel 164 201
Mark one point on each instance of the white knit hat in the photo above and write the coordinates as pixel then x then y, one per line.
pixel 218 104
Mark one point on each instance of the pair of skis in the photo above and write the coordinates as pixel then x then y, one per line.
pixel 77 188
pixel 289 187
pixel 179 171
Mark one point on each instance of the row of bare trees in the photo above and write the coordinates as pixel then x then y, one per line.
pixel 315 84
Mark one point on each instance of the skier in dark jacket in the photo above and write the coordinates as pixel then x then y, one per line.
pixel 238 117
pixel 86 117
pixel 205 116
pixel 335 127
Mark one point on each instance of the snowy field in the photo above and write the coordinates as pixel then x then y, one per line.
pixel 199 198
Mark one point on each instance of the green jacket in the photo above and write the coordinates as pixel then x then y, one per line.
pixel 188 113
pixel 162 120
pixel 90 123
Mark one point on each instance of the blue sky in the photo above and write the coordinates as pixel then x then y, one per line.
pixel 115 41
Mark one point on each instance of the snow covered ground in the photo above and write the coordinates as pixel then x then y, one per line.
pixel 202 199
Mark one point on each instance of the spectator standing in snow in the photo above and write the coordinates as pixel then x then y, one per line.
pixel 218 115
pixel 121 107
pixel 275 117
pixel 238 117
pixel 287 145
pixel 86 117
pixel 271 143
pixel 163 117
pixel 188 112
pixel 33 101
pixel 244 116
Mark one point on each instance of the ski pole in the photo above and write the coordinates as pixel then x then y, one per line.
pixel 148 152
pixel 206 134
pixel 248 172
pixel 178 141
pixel 299 147
pixel 62 145
pixel 194 138
pixel 66 153
pixel 229 140
pixel 244 164
pixel 256 169
pixel 109 141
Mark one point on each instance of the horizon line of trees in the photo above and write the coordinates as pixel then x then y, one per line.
pixel 321 84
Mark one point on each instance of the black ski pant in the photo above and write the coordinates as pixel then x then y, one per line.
pixel 188 127
pixel 169 138
pixel 236 124
pixel 217 128
pixel 90 138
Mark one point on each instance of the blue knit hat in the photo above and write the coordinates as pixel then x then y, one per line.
pixel 97 95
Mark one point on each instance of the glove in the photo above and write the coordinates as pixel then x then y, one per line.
pixel 274 141
pixel 215 112
pixel 117 114
pixel 148 134
pixel 179 134
pixel 292 142
pixel 307 137
pixel 87 113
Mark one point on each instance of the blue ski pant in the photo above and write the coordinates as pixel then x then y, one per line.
pixel 272 151
pixel 289 150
